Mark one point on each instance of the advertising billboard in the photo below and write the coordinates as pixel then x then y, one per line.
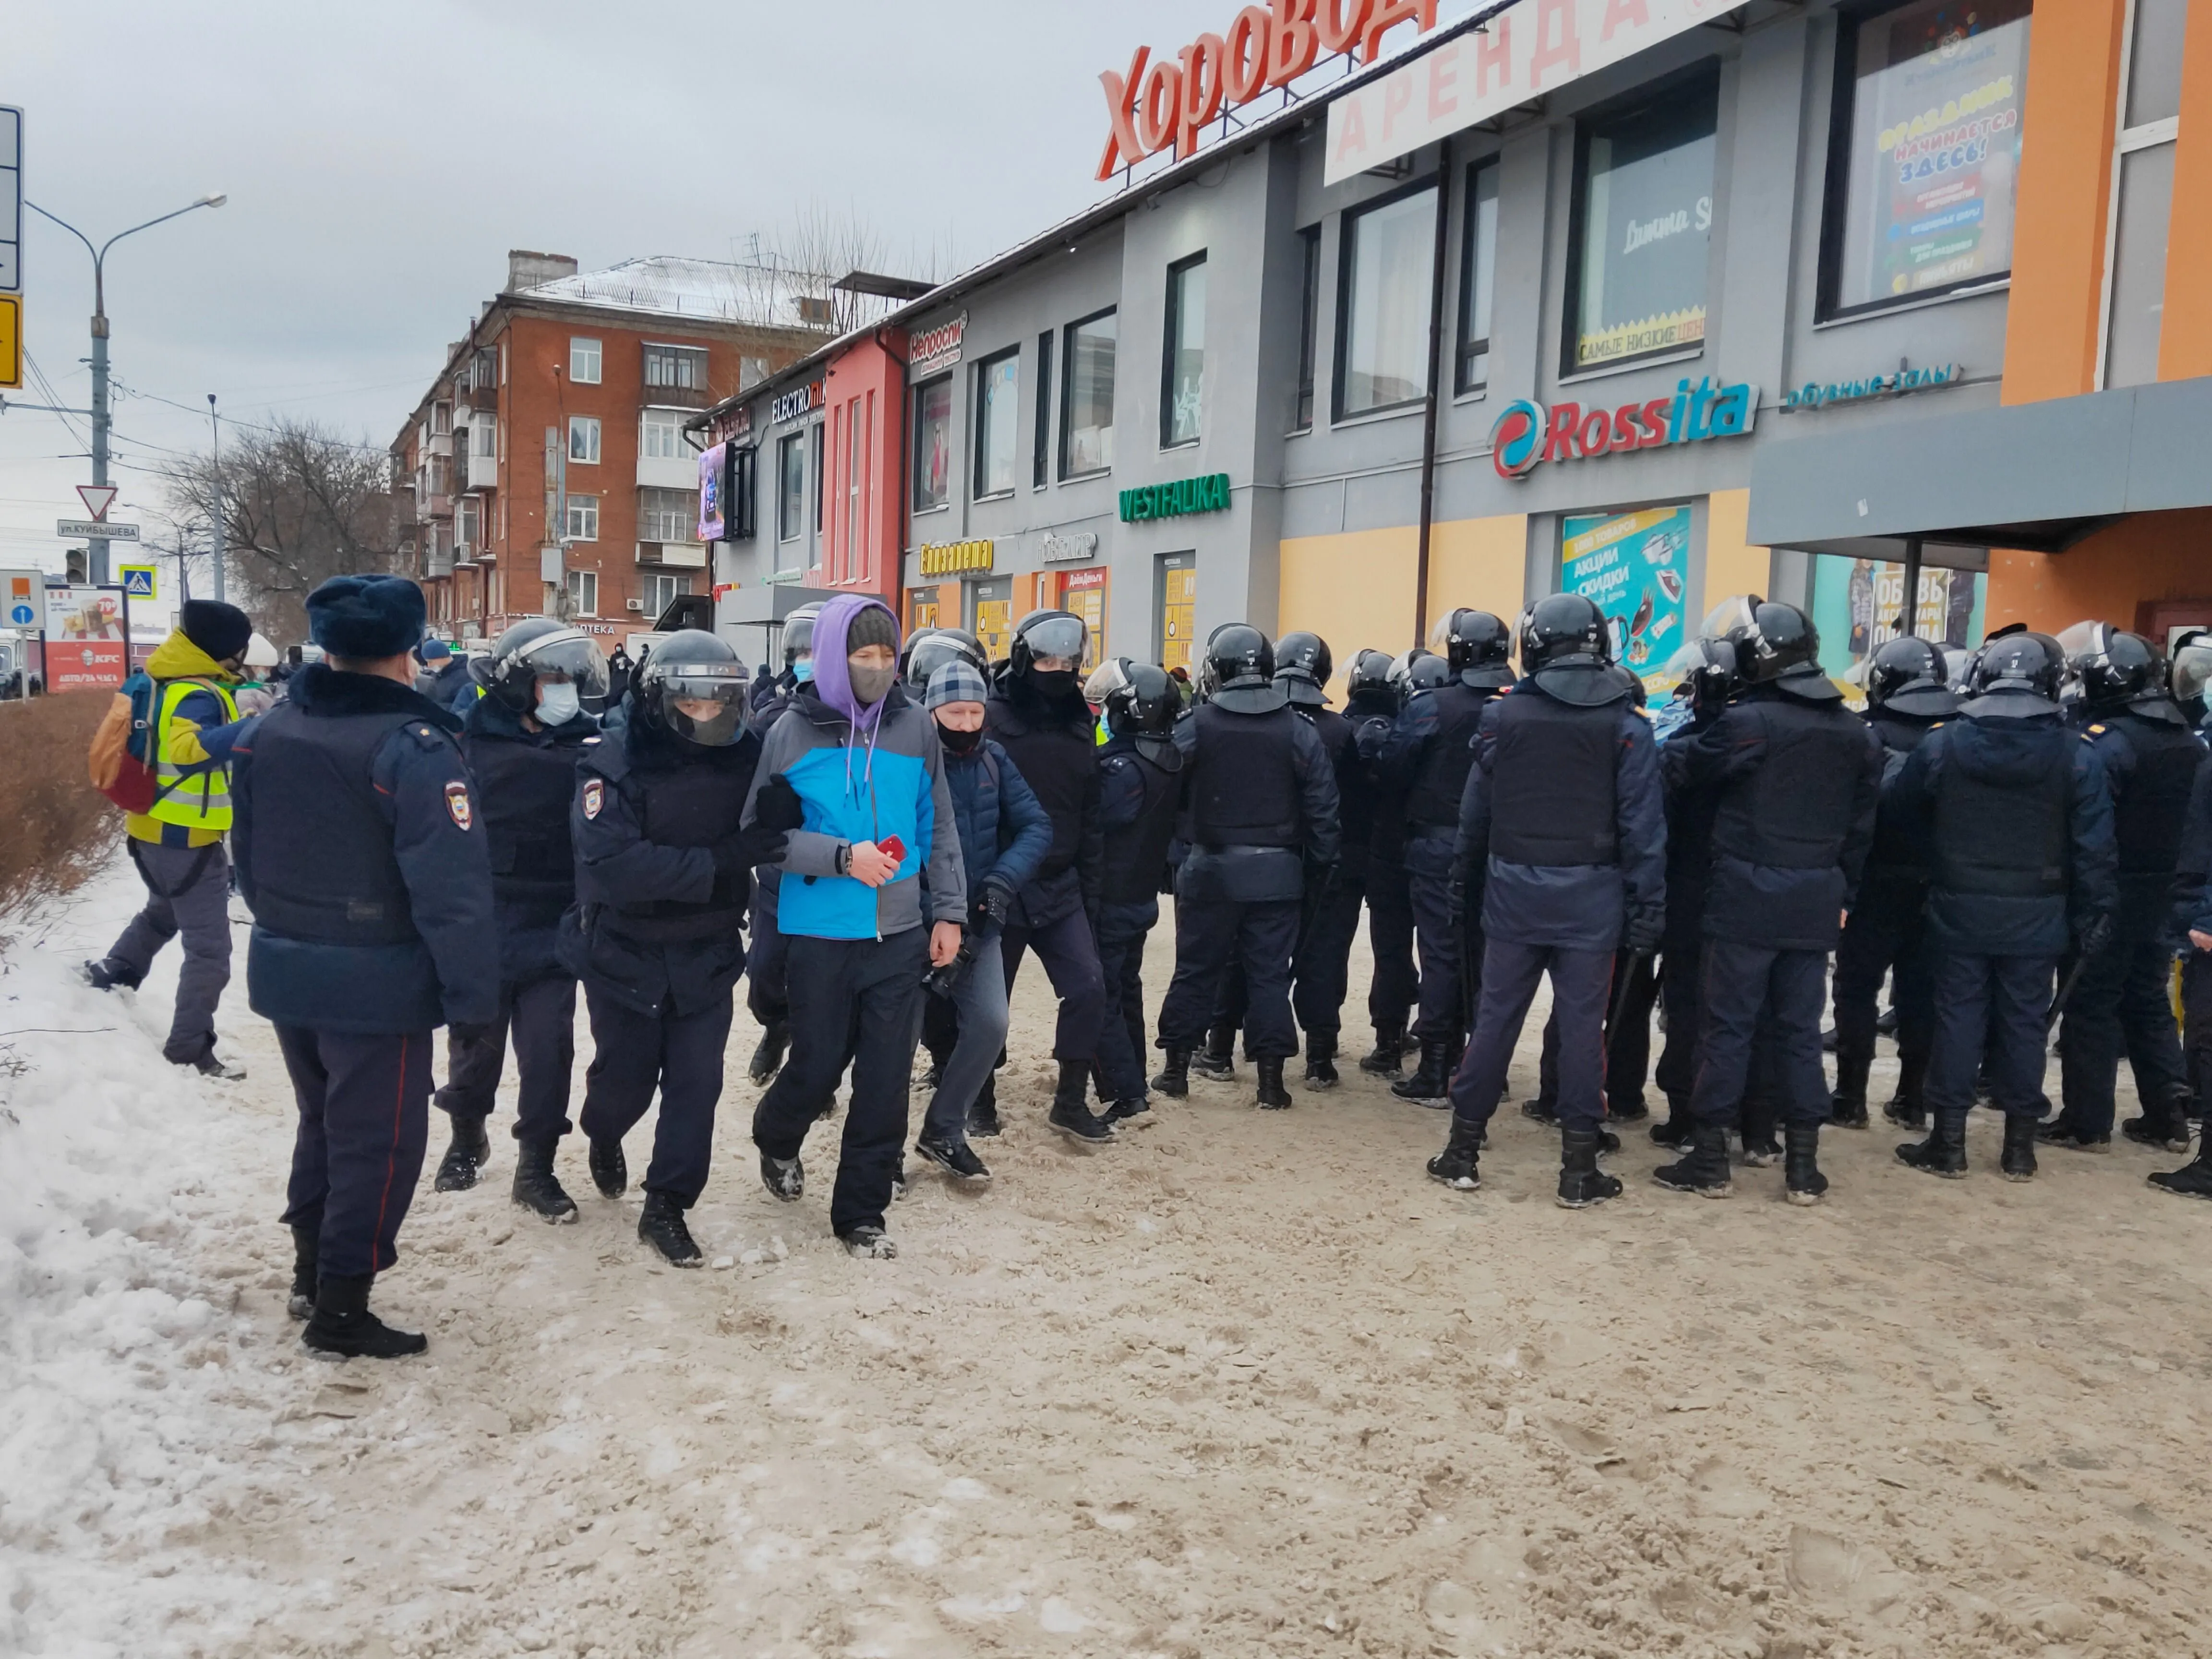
pixel 1857 603
pixel 1636 566
pixel 85 643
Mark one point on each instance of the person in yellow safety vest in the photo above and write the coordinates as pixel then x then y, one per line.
pixel 177 844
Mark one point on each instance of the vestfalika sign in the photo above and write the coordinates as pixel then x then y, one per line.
pixel 1209 493
pixel 1523 51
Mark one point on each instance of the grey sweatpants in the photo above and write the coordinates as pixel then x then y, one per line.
pixel 980 999
pixel 187 892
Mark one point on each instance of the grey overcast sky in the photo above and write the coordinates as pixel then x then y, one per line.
pixel 380 161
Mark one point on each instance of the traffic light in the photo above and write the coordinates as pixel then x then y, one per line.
pixel 76 564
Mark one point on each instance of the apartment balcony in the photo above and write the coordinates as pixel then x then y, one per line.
pixel 484 397
pixel 482 473
pixel 679 397
pixel 432 504
pixel 436 562
pixel 441 443
pixel 673 556
pixel 668 472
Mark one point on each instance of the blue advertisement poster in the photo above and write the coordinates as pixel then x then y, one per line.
pixel 1858 603
pixel 1636 567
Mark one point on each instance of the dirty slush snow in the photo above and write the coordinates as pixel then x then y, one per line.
pixel 1245 1383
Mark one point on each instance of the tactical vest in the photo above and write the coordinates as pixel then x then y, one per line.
pixel 694 803
pixel 1448 756
pixel 1794 811
pixel 1553 782
pixel 1246 790
pixel 1137 852
pixel 2008 840
pixel 323 865
pixel 1059 763
pixel 196 800
pixel 2150 813
pixel 1899 850
pixel 524 791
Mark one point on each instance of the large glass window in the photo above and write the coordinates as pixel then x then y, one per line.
pixel 1086 396
pixel 583 518
pixel 1478 276
pixel 1389 258
pixel 2143 192
pixel 583 439
pixel 676 368
pixel 998 421
pixel 1643 236
pixel 933 444
pixel 1308 326
pixel 790 486
pixel 661 436
pixel 1924 151
pixel 583 591
pixel 584 361
pixel 819 430
pixel 666 515
pixel 1041 447
pixel 1183 361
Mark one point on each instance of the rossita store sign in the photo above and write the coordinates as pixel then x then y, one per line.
pixel 1528 434
pixel 1174 501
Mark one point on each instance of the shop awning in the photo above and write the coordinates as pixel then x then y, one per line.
pixel 2039 477
pixel 767 604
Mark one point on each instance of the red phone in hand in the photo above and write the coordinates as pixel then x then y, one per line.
pixel 892 848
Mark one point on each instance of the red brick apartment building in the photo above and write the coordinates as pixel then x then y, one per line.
pixel 586 380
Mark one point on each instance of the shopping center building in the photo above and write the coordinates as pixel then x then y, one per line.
pixel 1654 300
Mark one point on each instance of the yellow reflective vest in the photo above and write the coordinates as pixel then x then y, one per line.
pixel 192 797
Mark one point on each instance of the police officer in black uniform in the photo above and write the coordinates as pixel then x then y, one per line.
pixel 1432 750
pixel 1561 844
pixel 2191 931
pixel 766 997
pixel 2118 1002
pixel 1140 784
pixel 1908 694
pixel 1799 777
pixel 1260 818
pixel 522 738
pixel 369 877
pixel 2020 835
pixel 662 875
pixel 1373 702
pixel 1320 969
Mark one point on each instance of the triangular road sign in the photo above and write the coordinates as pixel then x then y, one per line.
pixel 98 498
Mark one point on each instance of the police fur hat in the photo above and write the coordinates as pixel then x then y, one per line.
pixel 365 617
pixel 223 631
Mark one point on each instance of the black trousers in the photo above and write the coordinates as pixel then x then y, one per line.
pixel 2196 1023
pixel 680 1054
pixel 767 998
pixel 1677 1074
pixel 1070 956
pixel 1759 999
pixel 2119 1005
pixel 1436 930
pixel 541 1015
pixel 852 997
pixel 1212 935
pixel 1122 931
pixel 1320 968
pixel 1627 1047
pixel 1992 1006
pixel 1396 986
pixel 1581 982
pixel 364 1106
pixel 1884 934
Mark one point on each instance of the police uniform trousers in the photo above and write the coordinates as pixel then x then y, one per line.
pixel 767 998
pixel 1996 1006
pixel 856 997
pixel 1581 984
pixel 541 1015
pixel 1754 997
pixel 1070 954
pixel 2197 1024
pixel 1123 930
pixel 2119 1003
pixel 364 1101
pixel 1677 1071
pixel 187 892
pixel 1883 935
pixel 1627 1045
pixel 681 1055
pixel 1437 930
pixel 977 1007
pixel 1395 985
pixel 1212 935
pixel 1321 968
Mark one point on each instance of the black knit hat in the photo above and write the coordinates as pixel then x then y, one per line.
pixel 366 616
pixel 223 631
pixel 873 626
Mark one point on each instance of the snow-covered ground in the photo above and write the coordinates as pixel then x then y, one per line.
pixel 1243 1384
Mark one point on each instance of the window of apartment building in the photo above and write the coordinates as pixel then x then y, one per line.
pixel 998 422
pixel 1478 276
pixel 583 518
pixel 1389 257
pixel 2143 190
pixel 484 436
pixel 1182 355
pixel 468 524
pixel 791 487
pixel 661 436
pixel 933 444
pixel 584 438
pixel 1643 225
pixel 583 591
pixel 667 515
pixel 1309 325
pixel 584 361
pixel 1086 396
pixel 1923 151
pixel 817 438
pixel 483 369
pixel 662 588
pixel 441 419
pixel 682 368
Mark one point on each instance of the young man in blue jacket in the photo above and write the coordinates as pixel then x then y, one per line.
pixel 856 774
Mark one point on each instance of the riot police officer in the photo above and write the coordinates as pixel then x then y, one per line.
pixel 370 881
pixel 2191 928
pixel 663 876
pixel 2020 835
pixel 1431 751
pixel 1140 783
pixel 1373 702
pixel 2118 1001
pixel 522 739
pixel 767 997
pixel 1261 822
pixel 1799 778
pixel 1907 695
pixel 1321 968
pixel 1563 845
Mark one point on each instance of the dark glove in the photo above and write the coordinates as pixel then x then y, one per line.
pixel 1455 896
pixel 468 1035
pixel 1647 926
pixel 777 806
pixel 1709 689
pixel 996 903
pixel 2095 933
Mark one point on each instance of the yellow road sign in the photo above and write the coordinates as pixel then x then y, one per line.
pixel 11 339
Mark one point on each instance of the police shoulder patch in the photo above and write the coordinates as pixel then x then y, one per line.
pixel 459 806
pixel 595 797
pixel 2096 731
pixel 427 737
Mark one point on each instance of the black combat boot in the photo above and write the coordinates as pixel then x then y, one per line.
pixel 1582 1183
pixel 2192 1180
pixel 784 1177
pixel 1540 1110
pixel 609 1169
pixel 2164 1123
pixel 660 1223
pixel 1321 1060
pixel 2017 1161
pixel 1678 1128
pixel 306 1246
pixel 1847 1107
pixel 1456 1166
pixel 1431 1085
pixel 1944 1153
pixel 1705 1172
pixel 107 976
pixel 1389 1050
pixel 537 1189
pixel 1069 1114
pixel 983 1115
pixel 1174 1080
pixel 1803 1181
pixel 1632 1110
pixel 470 1152
pixel 1906 1108
pixel 768 1054
pixel 1217 1060
pixel 2063 1132
pixel 343 1326
pixel 1274 1096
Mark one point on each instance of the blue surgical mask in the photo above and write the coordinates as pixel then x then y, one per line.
pixel 556 704
pixel 803 670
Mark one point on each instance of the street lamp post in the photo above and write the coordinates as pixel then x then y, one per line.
pixel 101 422
pixel 215 424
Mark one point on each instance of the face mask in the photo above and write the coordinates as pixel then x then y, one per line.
pixel 870 685
pixel 1058 682
pixel 556 704
pixel 803 670
pixel 960 743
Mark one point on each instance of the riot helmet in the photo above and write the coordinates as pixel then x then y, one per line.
pixel 1427 672
pixel 1239 671
pixel 932 648
pixel 799 636
pixel 1773 639
pixel 2017 674
pixel 1146 702
pixel 1402 672
pixel 2111 668
pixel 1048 652
pixel 1368 680
pixel 1707 667
pixel 1303 666
pixel 1909 676
pixel 2192 671
pixel 1567 648
pixel 543 652
pixel 694 685
pixel 1478 647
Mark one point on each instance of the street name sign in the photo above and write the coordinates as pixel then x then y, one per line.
pixel 93 530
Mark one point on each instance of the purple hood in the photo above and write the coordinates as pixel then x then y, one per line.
pixel 832 683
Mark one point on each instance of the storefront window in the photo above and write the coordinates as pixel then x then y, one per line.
pixel 1478 274
pixel 1087 399
pixel 1382 318
pixel 933 444
pixel 1857 603
pixel 1635 567
pixel 1175 622
pixel 790 486
pixel 1040 446
pixel 1182 366
pixel 1083 593
pixel 998 393
pixel 991 612
pixel 1644 216
pixel 1308 326
pixel 1925 151
pixel 819 434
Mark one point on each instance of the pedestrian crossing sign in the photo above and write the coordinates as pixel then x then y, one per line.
pixel 138 580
